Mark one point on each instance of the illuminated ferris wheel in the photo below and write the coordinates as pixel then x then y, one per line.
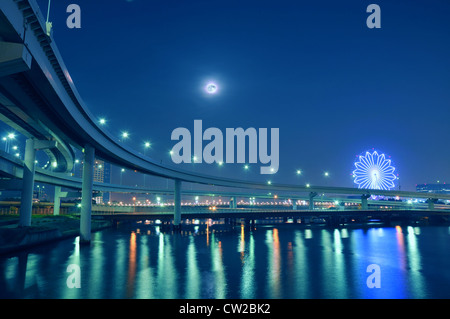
pixel 374 171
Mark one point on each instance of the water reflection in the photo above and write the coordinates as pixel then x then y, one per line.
pixel 283 261
pixel 192 287
pixel 415 262
pixel 248 283
pixel 218 269
pixel 274 264
pixel 131 265
pixel 301 265
pixel 74 258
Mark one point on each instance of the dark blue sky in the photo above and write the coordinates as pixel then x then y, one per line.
pixel 333 87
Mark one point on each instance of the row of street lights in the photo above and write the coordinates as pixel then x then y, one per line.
pixel 8 139
pixel 125 135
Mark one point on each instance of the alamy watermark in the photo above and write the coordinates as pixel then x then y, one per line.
pixel 235 140
pixel 374 19
pixel 73 21
pixel 374 279
pixel 74 279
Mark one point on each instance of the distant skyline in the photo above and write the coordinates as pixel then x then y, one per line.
pixel 333 87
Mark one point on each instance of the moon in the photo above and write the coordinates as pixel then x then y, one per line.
pixel 211 88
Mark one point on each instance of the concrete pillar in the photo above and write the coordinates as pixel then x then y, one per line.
pixel 233 202
pixel 57 201
pixel 86 194
pixel 177 205
pixel 311 200
pixel 364 203
pixel 26 204
pixel 431 202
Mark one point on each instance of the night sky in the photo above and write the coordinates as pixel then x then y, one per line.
pixel 334 87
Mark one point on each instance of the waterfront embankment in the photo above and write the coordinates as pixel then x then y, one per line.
pixel 43 229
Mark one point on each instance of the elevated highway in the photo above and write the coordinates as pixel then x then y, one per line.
pixel 11 167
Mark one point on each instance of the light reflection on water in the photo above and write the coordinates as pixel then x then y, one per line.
pixel 279 261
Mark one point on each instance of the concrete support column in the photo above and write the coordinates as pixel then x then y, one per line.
pixel 86 194
pixel 311 200
pixel 57 201
pixel 26 205
pixel 233 202
pixel 364 203
pixel 431 202
pixel 177 205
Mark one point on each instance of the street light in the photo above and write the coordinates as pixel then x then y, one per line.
pixel 48 25
pixel 326 175
pixel 124 136
pixel 146 145
pixel 102 121
pixel 75 166
pixel 298 172
pixel 121 173
pixel 7 138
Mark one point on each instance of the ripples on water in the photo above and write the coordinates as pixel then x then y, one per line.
pixel 277 261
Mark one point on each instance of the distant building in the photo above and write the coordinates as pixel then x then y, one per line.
pixel 102 174
pixel 433 188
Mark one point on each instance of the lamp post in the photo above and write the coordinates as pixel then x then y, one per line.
pixel 48 25
pixel 121 173
pixel 123 136
pixel 326 174
pixel 7 139
pixel 146 146
pixel 75 167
